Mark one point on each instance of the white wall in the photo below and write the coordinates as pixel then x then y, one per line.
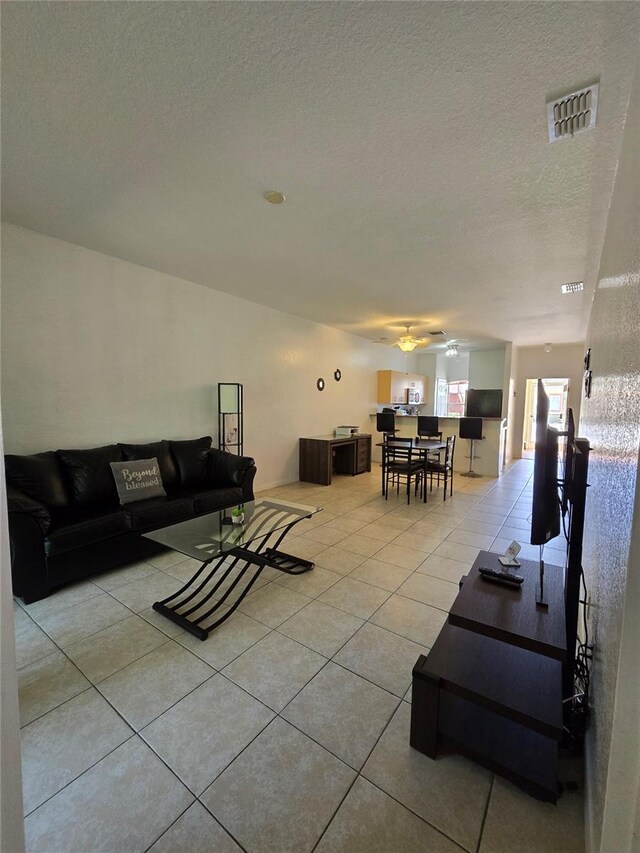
pixel 427 367
pixel 11 806
pixel 486 369
pixel 564 360
pixel 97 350
pixel 458 367
pixel 610 419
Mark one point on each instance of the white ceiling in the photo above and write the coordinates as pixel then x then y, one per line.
pixel 409 138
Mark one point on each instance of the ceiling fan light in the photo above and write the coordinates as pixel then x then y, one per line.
pixel 407 346
pixel 452 350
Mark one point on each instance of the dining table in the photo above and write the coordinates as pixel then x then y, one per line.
pixel 424 445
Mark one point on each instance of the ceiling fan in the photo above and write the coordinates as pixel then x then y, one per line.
pixel 406 342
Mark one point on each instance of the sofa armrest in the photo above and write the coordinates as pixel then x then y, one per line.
pixel 29 521
pixel 19 503
pixel 225 469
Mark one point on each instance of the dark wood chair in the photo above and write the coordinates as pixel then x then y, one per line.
pixel 443 469
pixel 402 460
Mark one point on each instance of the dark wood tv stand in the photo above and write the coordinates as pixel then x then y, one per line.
pixel 491 686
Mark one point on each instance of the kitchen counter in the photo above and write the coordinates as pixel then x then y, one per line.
pixel 489 453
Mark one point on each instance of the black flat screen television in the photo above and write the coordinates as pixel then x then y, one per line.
pixel 545 515
pixel 484 403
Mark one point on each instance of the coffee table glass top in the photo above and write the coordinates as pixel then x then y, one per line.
pixel 207 535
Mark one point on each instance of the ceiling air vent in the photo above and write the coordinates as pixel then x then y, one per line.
pixel 439 334
pixel 572 113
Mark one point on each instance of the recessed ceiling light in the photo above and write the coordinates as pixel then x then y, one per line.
pixel 274 197
pixel 572 287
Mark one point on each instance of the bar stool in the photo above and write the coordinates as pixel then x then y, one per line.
pixel 428 428
pixel 471 428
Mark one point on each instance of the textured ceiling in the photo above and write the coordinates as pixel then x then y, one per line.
pixel 409 138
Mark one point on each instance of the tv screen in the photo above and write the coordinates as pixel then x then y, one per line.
pixel 569 453
pixel 545 515
pixel 484 403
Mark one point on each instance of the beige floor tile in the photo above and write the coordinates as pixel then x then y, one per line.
pixel 518 523
pixel 384 658
pixel 104 653
pixel 275 669
pixel 418 541
pixel 450 792
pixel 125 574
pixel 351 525
pixel 327 534
pixel 487 527
pixel 311 583
pixel 197 832
pixel 433 529
pixel 513 816
pixel 454 551
pixel 227 641
pixel 369 821
pixel 485 515
pixel 146 688
pixel 31 642
pixel 338 560
pixel 354 597
pixel 66 596
pixel 342 712
pixel 429 590
pixel 380 574
pixel 360 544
pixel 369 511
pixel 321 627
pixel 392 521
pixel 269 811
pixel 468 537
pixel 122 803
pixel 202 733
pixel 47 683
pixel 410 619
pixel 303 547
pixel 381 532
pixel 64 743
pixel 273 604
pixel 75 623
pixel 164 559
pixel 398 555
pixel 141 594
pixel 444 568
pixel 161 622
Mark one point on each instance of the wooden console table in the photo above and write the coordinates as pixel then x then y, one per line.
pixel 321 455
pixel 491 686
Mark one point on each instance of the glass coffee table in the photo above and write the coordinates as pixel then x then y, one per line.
pixel 233 556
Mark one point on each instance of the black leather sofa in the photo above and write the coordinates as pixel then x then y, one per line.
pixel 65 521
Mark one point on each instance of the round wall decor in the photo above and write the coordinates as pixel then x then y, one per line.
pixel 337 375
pixel 320 384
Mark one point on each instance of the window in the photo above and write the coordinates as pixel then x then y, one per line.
pixel 456 399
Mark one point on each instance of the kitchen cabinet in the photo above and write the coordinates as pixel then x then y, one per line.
pixel 393 385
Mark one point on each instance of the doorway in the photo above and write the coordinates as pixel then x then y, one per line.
pixel 557 391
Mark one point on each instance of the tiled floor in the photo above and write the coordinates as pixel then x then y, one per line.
pixel 288 729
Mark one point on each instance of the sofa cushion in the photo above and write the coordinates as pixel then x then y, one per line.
pixel 226 469
pixel 89 473
pixel 213 499
pixel 137 480
pixel 39 476
pixel 89 528
pixel 159 512
pixel 192 459
pixel 162 452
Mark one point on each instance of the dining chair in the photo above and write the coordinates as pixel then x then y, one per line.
pixel 428 427
pixel 443 469
pixel 402 460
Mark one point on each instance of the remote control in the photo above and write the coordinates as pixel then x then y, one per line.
pixel 499 576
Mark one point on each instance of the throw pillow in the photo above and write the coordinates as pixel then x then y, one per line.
pixel 137 480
